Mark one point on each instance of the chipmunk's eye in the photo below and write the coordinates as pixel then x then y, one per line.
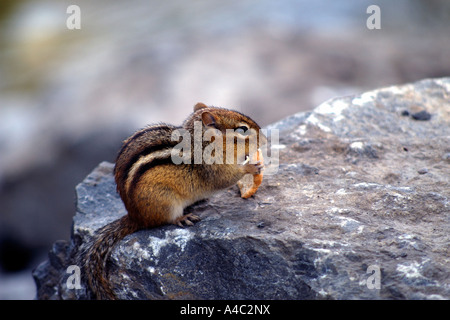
pixel 242 130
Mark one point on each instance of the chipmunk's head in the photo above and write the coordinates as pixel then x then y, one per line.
pixel 238 131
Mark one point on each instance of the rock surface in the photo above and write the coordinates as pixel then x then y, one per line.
pixel 358 209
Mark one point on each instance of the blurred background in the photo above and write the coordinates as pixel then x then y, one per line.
pixel 69 97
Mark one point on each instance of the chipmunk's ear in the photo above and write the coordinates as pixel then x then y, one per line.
pixel 208 119
pixel 199 106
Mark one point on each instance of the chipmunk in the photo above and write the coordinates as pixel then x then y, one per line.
pixel 155 190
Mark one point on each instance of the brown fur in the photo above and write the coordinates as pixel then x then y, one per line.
pixel 155 190
pixel 98 252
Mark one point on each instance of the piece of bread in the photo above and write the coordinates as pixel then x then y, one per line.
pixel 250 183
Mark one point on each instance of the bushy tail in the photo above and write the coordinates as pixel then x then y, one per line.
pixel 97 253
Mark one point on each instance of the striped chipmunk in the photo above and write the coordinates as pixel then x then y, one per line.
pixel 157 176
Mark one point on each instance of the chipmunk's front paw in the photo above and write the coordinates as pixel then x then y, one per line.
pixel 254 168
pixel 188 220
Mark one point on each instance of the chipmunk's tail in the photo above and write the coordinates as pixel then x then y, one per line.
pixel 97 253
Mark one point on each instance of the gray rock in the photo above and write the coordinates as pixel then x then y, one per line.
pixel 347 215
